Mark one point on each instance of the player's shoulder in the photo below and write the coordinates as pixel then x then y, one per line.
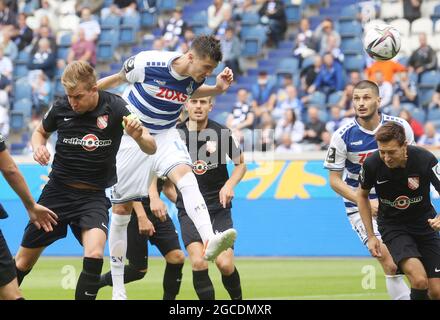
pixel 423 155
pixel 388 118
pixel 60 103
pixel 112 98
pixel 343 133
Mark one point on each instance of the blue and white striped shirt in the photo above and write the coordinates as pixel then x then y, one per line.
pixel 350 146
pixel 156 91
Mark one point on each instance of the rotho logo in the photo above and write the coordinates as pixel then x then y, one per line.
pixel 89 142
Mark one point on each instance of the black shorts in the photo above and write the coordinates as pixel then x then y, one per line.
pixel 221 220
pixel 403 244
pixel 79 209
pixel 7 265
pixel 165 239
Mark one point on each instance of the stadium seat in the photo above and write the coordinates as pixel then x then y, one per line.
pixel 352 46
pixel 20 70
pixel 402 25
pixel 390 10
pixel 317 99
pixel 293 13
pixel 24 106
pixel 334 98
pixel 23 57
pixel 429 79
pixel 16 121
pixel 268 65
pixel 22 89
pixel 425 96
pixel 350 28
pixel 127 35
pixel 349 12
pixel 111 21
pixel 166 5
pixel 419 114
pixel 307 62
pixel 433 114
pixel 199 19
pixel 288 65
pixel 148 19
pixel 354 63
pixel 422 25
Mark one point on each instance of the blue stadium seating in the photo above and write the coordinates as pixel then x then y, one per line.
pixel 288 65
pixel 166 5
pixel 349 12
pixel 293 13
pixel 350 28
pixel 317 99
pixel 24 106
pixel 22 89
pixel 148 19
pixel 354 63
pixel 352 46
pixel 334 98
pixel 16 121
pixel 419 114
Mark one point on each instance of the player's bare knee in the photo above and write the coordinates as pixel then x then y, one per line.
pixel 199 264
pixel 23 262
pixel 419 281
pixel 434 293
pixel 122 209
pixel 175 257
pixel 225 266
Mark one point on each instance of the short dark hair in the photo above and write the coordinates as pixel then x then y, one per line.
pixel 367 84
pixel 207 46
pixel 391 131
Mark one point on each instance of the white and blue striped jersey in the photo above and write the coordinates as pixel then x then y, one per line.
pixel 350 146
pixel 156 91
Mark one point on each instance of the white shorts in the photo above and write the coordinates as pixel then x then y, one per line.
pixel 358 226
pixel 135 169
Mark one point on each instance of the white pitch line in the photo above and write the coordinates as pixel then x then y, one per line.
pixel 326 296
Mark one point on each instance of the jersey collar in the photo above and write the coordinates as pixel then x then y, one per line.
pixel 372 132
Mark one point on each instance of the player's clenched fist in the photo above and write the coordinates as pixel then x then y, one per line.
pixel 133 126
pixel 42 155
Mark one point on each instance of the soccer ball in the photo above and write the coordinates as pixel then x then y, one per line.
pixel 382 42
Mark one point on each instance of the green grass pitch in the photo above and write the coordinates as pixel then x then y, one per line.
pixel 262 278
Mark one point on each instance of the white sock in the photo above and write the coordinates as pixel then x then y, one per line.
pixel 118 250
pixel 397 288
pixel 195 205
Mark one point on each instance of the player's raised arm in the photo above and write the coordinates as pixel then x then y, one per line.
pixel 112 81
pixel 224 81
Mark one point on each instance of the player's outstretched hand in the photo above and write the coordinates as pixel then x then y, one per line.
pixel 224 79
pixel 159 208
pixel 435 223
pixel 226 194
pixel 133 127
pixel 374 247
pixel 145 226
pixel 42 155
pixel 42 217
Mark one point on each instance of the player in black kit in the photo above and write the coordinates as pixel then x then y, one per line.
pixel 209 143
pixel 38 214
pixel 407 221
pixel 151 222
pixel 90 126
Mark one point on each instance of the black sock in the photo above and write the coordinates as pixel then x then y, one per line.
pixel 232 285
pixel 203 285
pixel 87 286
pixel 172 279
pixel 419 294
pixel 21 274
pixel 130 274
